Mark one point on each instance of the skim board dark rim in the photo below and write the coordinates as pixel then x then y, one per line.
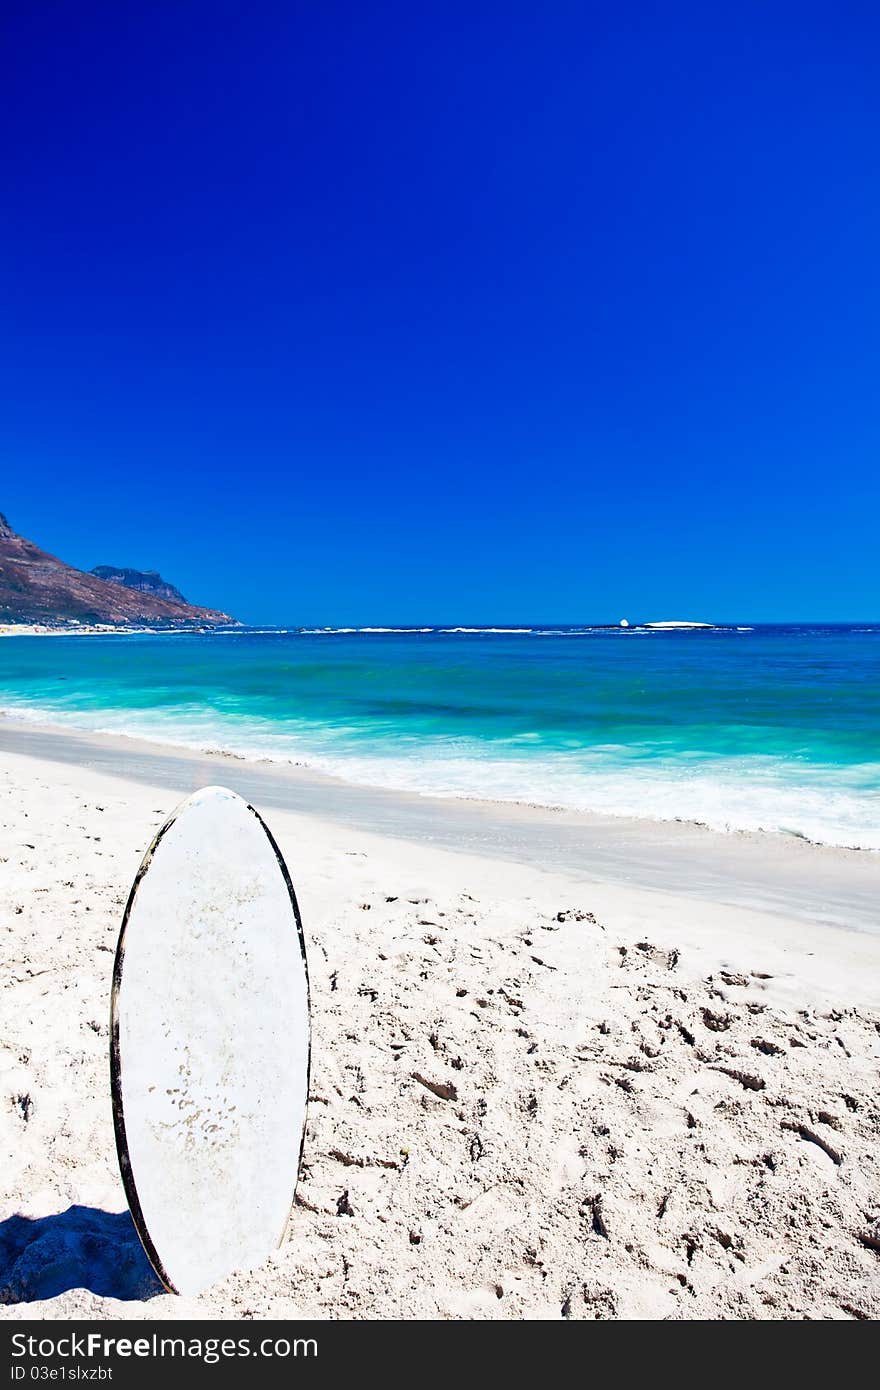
pixel 125 1167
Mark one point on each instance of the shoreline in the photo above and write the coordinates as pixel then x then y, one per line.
pixel 654 733
pixel 764 871
pixel 99 630
pixel 41 721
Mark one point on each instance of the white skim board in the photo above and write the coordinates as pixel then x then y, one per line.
pixel 210 1043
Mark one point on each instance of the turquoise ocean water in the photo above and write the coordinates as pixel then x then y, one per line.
pixel 772 728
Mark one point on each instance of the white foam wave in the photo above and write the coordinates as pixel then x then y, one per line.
pixel 603 629
pixel 823 803
pixel 675 623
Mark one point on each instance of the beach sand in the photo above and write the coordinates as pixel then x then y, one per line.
pixel 534 1094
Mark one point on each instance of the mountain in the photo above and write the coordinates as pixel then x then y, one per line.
pixel 145 581
pixel 35 587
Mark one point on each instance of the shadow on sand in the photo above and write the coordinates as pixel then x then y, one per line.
pixel 81 1248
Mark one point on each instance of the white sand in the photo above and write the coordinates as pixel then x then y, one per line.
pixel 658 1107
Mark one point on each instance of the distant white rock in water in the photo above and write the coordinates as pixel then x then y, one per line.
pixel 678 623
pixel 624 622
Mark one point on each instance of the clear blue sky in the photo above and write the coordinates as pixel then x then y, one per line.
pixel 414 312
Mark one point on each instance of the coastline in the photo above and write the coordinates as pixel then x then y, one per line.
pixel 654 1104
pixel 735 734
pixel 93 630
pixel 767 872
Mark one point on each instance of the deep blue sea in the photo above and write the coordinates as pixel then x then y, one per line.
pixel 744 727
